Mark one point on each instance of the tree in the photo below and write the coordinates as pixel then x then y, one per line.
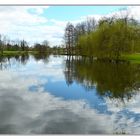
pixel 108 39
pixel 1 44
pixel 90 25
pixel 69 38
pixel 45 46
pixel 23 45
pixel 45 43
pixel 42 48
pixel 37 47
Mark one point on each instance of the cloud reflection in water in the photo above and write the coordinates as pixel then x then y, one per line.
pixel 23 111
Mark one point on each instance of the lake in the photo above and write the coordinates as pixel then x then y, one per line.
pixel 68 95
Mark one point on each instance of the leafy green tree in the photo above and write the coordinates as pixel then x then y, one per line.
pixel 108 39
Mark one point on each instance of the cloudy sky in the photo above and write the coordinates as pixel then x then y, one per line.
pixel 38 23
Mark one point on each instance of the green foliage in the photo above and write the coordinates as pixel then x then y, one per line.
pixel 111 38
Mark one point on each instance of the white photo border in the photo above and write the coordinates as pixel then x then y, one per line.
pixel 70 3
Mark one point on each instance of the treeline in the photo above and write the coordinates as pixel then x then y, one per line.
pixel 108 38
pixel 10 45
pixel 22 45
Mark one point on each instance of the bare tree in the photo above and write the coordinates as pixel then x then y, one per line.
pixel 23 45
pixel 45 43
pixel 90 25
pixel 69 38
pixel 1 44
pixel 45 46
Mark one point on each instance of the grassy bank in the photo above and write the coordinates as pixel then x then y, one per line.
pixel 16 53
pixel 133 58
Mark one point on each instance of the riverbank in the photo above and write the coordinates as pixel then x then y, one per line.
pixel 133 58
pixel 17 53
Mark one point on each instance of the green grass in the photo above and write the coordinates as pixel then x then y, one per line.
pixel 13 53
pixel 133 58
pixel 17 53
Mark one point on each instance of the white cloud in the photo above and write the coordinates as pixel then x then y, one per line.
pixel 134 11
pixel 38 10
pixel 28 22
pixel 19 22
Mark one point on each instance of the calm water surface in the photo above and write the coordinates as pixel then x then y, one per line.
pixel 65 95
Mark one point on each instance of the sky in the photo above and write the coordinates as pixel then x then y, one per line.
pixel 38 23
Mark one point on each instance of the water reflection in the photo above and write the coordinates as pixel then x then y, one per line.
pixel 7 61
pixel 115 80
pixel 41 56
pixel 65 95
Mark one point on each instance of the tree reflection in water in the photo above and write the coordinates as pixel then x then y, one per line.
pixel 111 84
pixel 41 56
pixel 115 80
pixel 7 61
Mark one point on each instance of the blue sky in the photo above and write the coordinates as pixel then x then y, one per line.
pixel 38 23
pixel 75 12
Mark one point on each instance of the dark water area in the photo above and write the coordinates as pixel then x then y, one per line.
pixel 68 95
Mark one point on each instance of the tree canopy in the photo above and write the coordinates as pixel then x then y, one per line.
pixel 108 38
